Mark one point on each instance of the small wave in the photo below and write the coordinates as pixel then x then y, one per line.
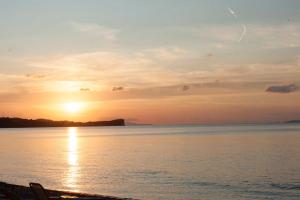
pixel 150 172
pixel 199 183
pixel 287 186
pixel 208 184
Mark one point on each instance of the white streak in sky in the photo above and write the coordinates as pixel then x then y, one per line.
pixel 243 33
pixel 243 25
pixel 232 12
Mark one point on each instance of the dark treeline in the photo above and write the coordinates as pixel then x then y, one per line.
pixel 7 122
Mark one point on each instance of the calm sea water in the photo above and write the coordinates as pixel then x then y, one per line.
pixel 158 162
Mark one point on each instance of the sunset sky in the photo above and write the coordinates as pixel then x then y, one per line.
pixel 151 61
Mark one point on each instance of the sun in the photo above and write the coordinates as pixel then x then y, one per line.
pixel 73 107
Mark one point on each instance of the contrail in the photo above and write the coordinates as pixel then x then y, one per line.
pixel 243 25
pixel 243 33
pixel 232 12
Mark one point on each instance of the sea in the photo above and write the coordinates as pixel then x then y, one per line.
pixel 227 162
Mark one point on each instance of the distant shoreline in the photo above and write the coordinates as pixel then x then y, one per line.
pixel 15 122
pixel 293 122
pixel 7 122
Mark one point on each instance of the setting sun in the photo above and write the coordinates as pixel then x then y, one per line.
pixel 73 107
pixel 141 99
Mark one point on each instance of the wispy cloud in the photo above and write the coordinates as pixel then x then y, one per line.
pixel 36 76
pixel 85 89
pixel 114 68
pixel 120 88
pixel 185 88
pixel 265 36
pixel 277 36
pixel 152 68
pixel 96 30
pixel 165 53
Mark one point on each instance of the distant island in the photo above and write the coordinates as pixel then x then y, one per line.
pixel 7 122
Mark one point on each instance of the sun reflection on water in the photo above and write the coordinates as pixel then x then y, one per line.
pixel 72 149
pixel 73 169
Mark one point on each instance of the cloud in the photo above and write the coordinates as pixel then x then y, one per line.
pixel 96 30
pixel 117 88
pixel 283 88
pixel 265 36
pixel 185 88
pixel 215 87
pixel 85 89
pixel 36 76
pixel 210 55
pixel 157 68
pixel 165 53
pixel 215 33
pixel 274 37
pixel 107 69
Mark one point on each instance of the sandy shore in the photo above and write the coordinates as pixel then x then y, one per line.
pixel 25 193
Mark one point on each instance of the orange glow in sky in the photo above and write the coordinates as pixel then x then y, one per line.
pixel 73 107
pixel 216 63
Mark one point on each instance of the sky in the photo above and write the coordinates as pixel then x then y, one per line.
pixel 154 62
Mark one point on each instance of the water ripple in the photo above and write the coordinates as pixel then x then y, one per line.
pixel 286 186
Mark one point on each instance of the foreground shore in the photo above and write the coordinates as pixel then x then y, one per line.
pixel 25 193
